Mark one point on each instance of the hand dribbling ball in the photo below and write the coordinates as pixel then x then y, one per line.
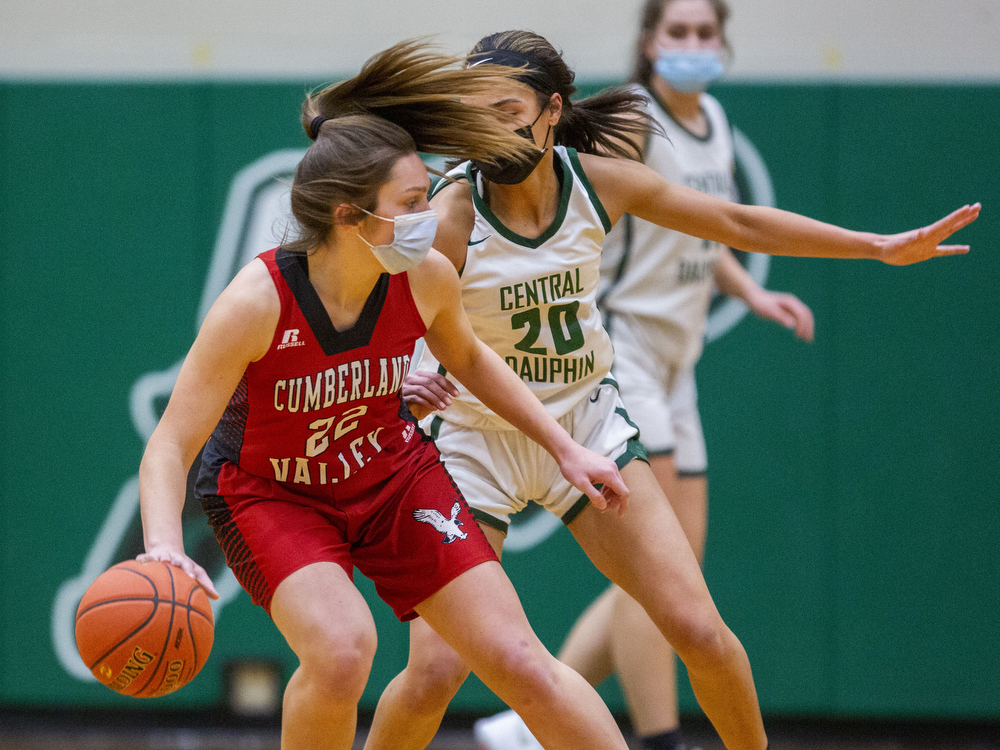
pixel 144 629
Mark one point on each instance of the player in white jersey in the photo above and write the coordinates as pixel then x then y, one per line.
pixel 534 302
pixel 643 550
pixel 656 288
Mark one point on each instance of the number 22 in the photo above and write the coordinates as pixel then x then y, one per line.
pixel 319 441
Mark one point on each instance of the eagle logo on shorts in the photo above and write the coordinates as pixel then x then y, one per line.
pixel 447 526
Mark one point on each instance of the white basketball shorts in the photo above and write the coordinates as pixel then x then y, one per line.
pixel 500 471
pixel 662 399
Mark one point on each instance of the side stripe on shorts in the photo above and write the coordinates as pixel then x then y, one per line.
pixel 238 555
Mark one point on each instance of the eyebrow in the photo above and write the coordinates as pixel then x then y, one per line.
pixel 502 102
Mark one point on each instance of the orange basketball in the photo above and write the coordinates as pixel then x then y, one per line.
pixel 144 629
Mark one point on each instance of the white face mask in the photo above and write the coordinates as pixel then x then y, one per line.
pixel 412 237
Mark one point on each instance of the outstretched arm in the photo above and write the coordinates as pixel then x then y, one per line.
pixel 785 309
pixel 451 339
pixel 629 187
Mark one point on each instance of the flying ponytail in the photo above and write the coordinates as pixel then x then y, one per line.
pixel 421 91
pixel 405 100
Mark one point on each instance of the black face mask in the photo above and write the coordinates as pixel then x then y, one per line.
pixel 514 171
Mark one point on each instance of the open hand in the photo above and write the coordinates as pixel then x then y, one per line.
pixel 922 244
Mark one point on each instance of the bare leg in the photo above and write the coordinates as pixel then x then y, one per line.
pixel 644 661
pixel 615 635
pixel 480 616
pixel 587 648
pixel 328 625
pixel 410 709
pixel 647 554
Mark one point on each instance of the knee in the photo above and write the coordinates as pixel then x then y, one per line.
pixel 529 673
pixel 434 680
pixel 705 642
pixel 338 664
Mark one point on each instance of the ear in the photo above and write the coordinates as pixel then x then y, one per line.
pixel 555 107
pixel 347 215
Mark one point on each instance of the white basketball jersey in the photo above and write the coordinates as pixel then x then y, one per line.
pixel 534 301
pixel 663 278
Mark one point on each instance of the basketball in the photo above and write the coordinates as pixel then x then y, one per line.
pixel 144 629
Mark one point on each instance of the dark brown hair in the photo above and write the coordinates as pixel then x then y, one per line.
pixel 404 100
pixel 652 12
pixel 605 123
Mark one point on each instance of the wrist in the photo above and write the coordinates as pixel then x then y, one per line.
pixel 753 297
pixel 163 541
pixel 561 445
pixel 872 246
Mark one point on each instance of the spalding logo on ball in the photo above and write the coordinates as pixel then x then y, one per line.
pixel 144 629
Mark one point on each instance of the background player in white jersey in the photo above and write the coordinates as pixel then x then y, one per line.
pixel 549 213
pixel 656 286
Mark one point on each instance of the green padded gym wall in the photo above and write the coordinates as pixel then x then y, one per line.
pixel 854 530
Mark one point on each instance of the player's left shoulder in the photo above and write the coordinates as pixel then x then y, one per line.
pixel 433 272
pixel 714 110
pixel 610 174
pixel 434 285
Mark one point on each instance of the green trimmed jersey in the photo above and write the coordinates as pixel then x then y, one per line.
pixel 661 278
pixel 534 300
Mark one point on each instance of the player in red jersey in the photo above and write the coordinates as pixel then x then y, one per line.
pixel 314 464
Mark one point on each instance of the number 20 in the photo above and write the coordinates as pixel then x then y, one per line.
pixel 565 340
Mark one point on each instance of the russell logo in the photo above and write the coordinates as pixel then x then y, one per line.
pixel 256 215
pixel 291 338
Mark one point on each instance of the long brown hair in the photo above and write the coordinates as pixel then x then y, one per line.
pixel 605 123
pixel 652 12
pixel 421 91
pixel 405 100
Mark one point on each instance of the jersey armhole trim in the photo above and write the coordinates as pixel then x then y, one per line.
pixel 574 159
pixel 451 178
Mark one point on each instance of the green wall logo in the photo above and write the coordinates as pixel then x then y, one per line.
pixel 255 217
pixel 754 184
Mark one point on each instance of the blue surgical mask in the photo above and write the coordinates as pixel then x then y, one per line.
pixel 412 237
pixel 689 70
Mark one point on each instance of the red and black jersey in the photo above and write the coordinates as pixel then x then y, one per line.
pixel 321 413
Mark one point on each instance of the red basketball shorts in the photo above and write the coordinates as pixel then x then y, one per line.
pixel 410 536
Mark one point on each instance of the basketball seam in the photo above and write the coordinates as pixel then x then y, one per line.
pixel 155 598
pixel 166 643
